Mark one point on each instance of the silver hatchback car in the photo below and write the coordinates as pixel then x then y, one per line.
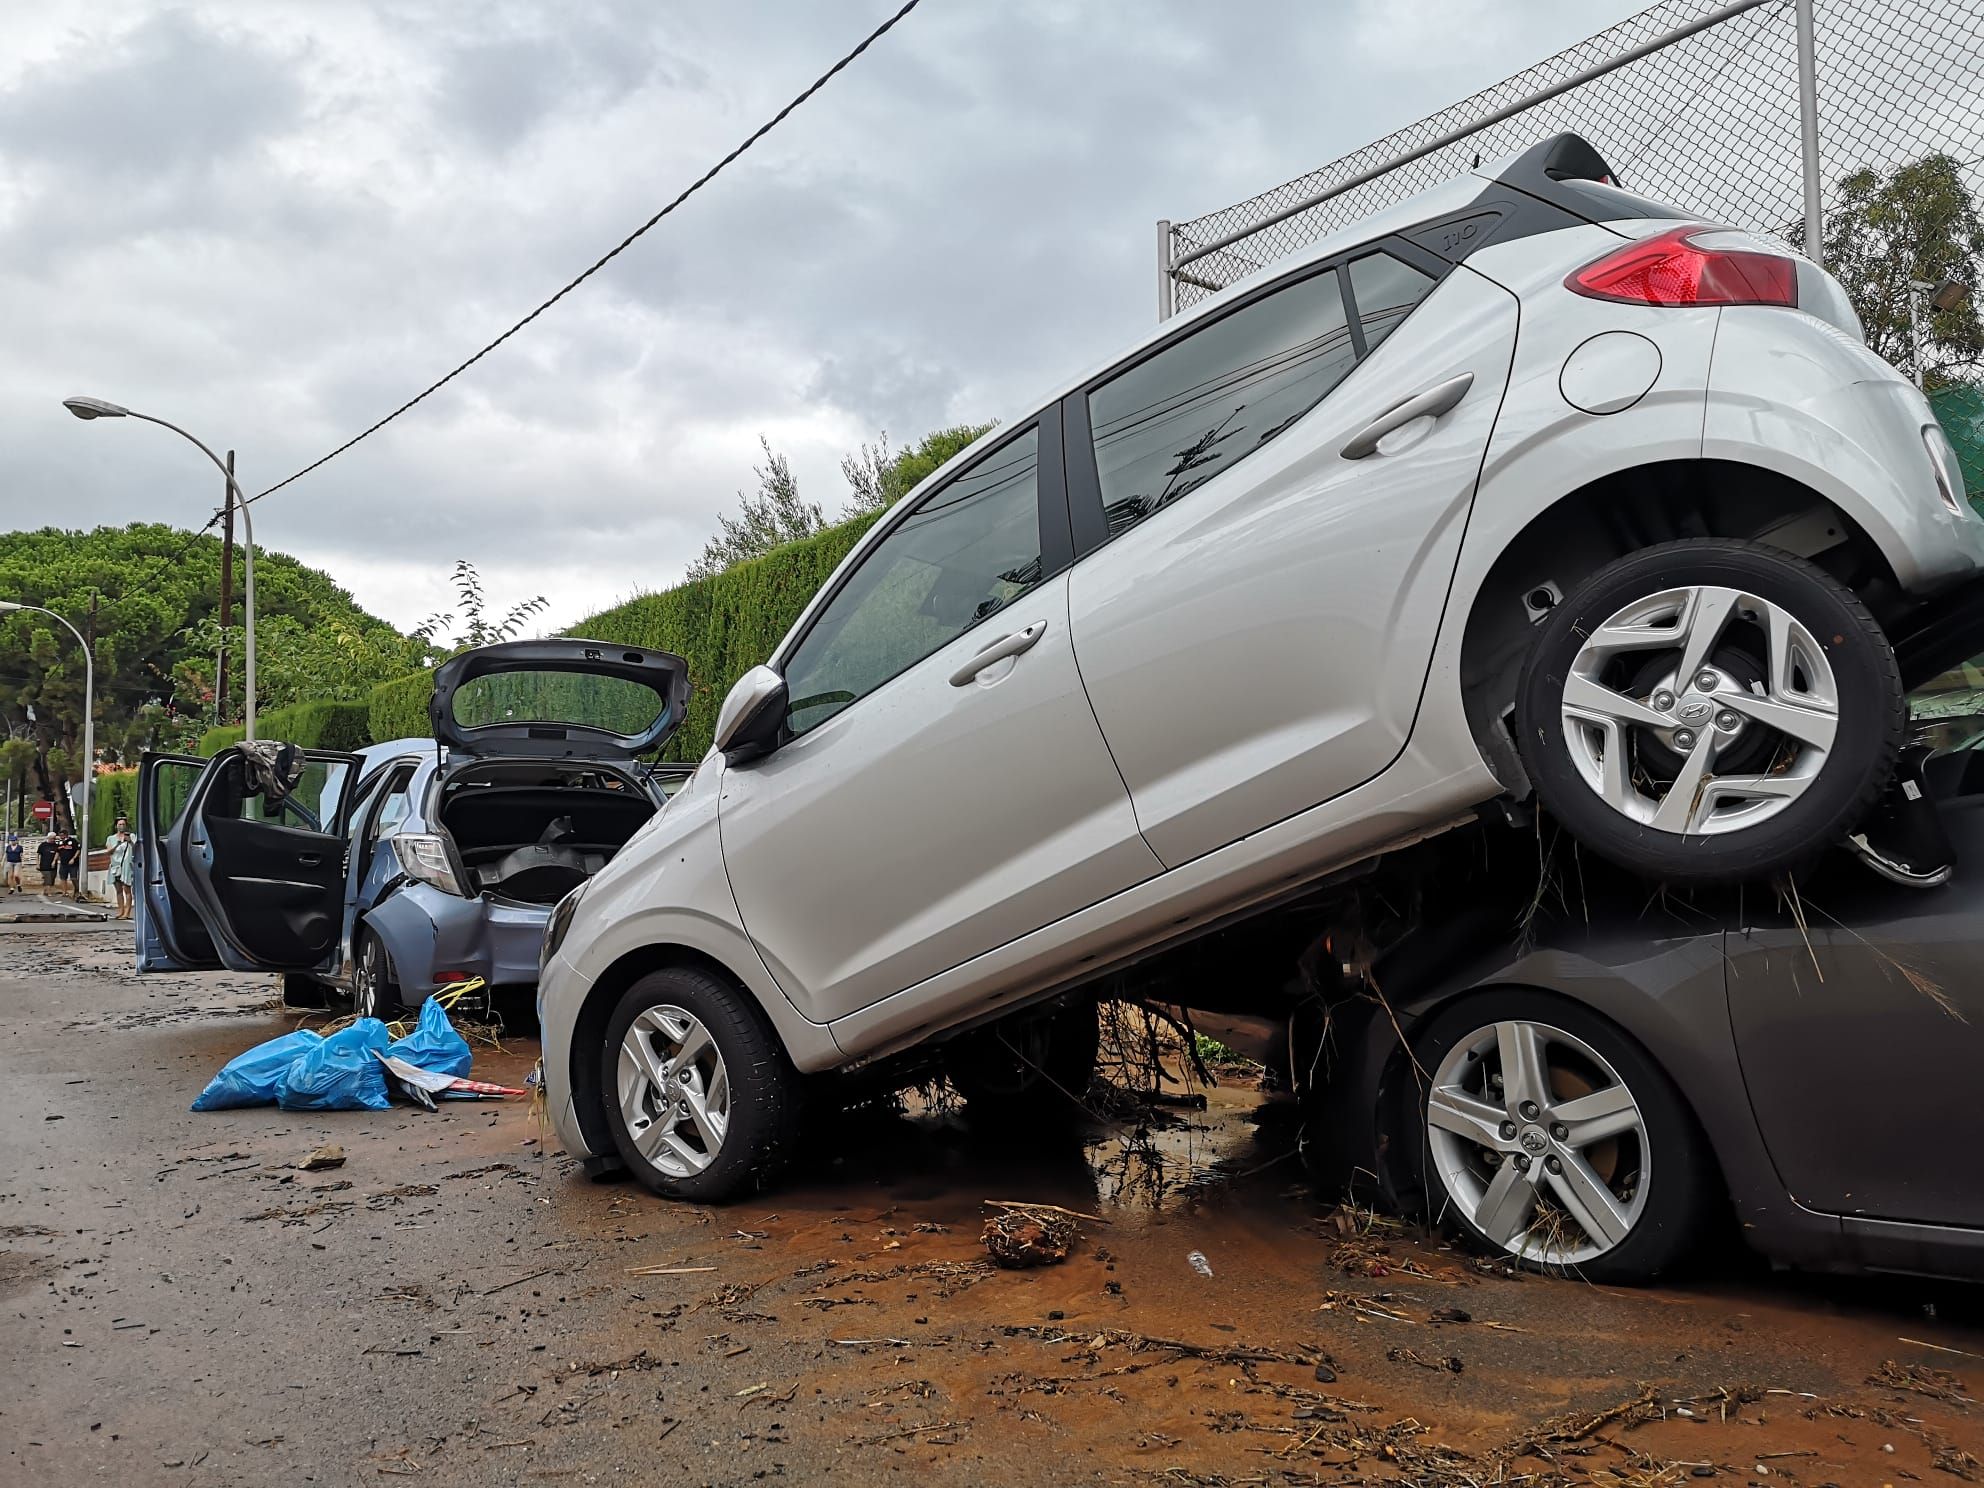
pixel 1525 489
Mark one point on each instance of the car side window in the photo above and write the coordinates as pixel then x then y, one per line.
pixel 1386 290
pixel 361 805
pixel 393 808
pixel 970 548
pixel 1201 405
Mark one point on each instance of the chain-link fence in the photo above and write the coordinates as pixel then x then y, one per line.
pixel 1710 120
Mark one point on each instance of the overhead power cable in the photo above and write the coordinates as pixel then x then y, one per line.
pixel 625 243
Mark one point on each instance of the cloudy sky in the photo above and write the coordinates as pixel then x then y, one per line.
pixel 273 222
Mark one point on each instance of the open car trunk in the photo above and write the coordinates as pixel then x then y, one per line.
pixel 533 832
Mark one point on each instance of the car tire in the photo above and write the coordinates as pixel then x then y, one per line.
pixel 1773 748
pixel 1658 1170
pixel 374 991
pixel 299 991
pixel 736 1071
pixel 1030 1068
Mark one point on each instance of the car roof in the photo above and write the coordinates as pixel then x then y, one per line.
pixel 374 755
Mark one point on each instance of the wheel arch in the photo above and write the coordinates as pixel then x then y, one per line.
pixel 1620 512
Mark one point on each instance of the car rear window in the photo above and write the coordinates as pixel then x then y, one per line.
pixel 614 704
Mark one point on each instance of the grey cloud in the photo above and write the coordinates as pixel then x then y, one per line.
pixel 168 96
pixel 338 207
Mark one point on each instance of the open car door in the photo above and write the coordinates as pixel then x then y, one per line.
pixel 237 874
pixel 170 935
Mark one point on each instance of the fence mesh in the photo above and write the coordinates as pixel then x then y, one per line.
pixel 1711 123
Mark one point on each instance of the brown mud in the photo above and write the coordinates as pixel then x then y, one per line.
pixel 456 1303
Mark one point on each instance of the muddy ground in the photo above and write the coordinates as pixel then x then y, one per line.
pixel 458 1304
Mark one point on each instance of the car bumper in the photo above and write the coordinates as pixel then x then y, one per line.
pixel 561 992
pixel 434 937
pixel 1791 393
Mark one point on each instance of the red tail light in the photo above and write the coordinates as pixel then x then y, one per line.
pixel 1672 269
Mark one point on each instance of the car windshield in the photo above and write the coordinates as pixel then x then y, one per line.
pixel 614 704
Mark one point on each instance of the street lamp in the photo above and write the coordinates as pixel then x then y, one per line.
pixel 1943 298
pixel 96 408
pixel 8 606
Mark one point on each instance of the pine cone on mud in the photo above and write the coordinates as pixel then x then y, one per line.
pixel 1018 1238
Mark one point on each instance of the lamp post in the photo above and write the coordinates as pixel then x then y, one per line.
pixel 96 408
pixel 8 606
pixel 1943 298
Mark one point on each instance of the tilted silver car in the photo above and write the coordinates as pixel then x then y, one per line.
pixel 1525 488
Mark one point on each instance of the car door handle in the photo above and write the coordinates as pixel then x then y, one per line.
pixel 999 650
pixel 1436 400
pixel 310 860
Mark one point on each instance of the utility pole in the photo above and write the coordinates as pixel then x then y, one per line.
pixel 226 591
pixel 1808 132
pixel 89 749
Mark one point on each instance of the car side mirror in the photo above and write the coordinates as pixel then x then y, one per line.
pixel 752 716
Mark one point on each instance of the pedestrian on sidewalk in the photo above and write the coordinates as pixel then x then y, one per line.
pixel 44 857
pixel 123 866
pixel 13 862
pixel 68 852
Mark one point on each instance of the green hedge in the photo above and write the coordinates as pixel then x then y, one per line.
pixel 398 709
pixel 116 795
pixel 728 623
pixel 325 723
pixel 723 626
pixel 1960 410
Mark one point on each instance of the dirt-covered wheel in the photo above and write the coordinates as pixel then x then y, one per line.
pixel 697 1091
pixel 375 993
pixel 1543 1133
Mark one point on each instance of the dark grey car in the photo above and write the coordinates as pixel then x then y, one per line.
pixel 1630 1069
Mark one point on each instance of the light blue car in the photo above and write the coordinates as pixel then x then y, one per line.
pixel 388 873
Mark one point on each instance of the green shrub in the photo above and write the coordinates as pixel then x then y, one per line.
pixel 326 723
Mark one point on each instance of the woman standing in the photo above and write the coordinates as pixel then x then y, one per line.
pixel 123 867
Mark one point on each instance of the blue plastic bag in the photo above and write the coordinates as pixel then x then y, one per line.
pixel 339 1074
pixel 251 1079
pixel 434 1044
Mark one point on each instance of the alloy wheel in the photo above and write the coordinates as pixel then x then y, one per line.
pixel 674 1090
pixel 366 979
pixel 1681 682
pixel 1538 1142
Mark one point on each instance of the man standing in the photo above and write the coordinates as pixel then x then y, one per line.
pixel 68 852
pixel 44 857
pixel 123 866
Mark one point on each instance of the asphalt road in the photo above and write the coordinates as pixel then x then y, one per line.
pixel 457 1305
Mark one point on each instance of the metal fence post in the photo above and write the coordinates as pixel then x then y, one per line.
pixel 1166 286
pixel 1808 129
